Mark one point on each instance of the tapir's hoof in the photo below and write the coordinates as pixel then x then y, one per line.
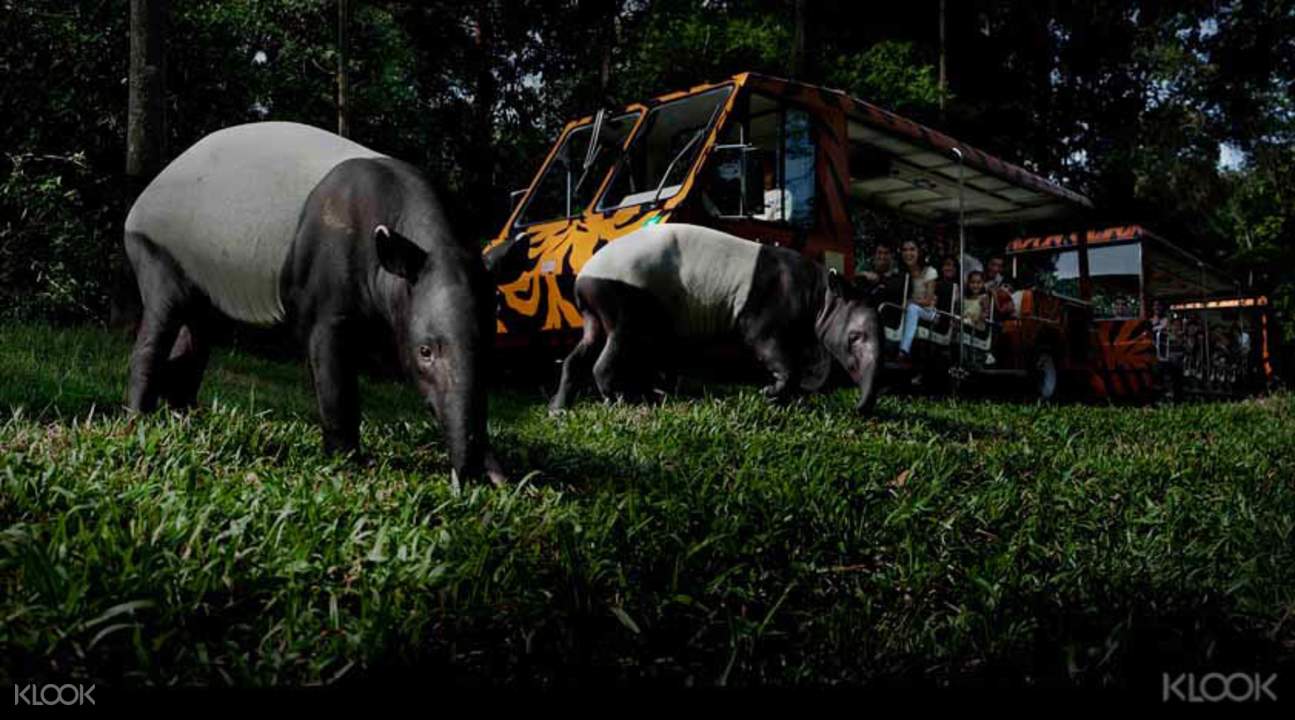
pixel 777 396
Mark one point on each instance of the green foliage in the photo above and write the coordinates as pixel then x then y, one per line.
pixel 680 44
pixel 711 540
pixel 890 74
pixel 51 253
pixel 64 104
pixel 1259 215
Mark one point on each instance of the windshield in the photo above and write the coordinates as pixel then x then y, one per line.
pixel 663 152
pixel 566 188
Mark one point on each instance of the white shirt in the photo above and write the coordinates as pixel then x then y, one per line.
pixel 777 205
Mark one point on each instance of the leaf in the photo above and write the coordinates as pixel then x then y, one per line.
pixel 115 610
pixel 108 631
pixel 901 479
pixel 626 620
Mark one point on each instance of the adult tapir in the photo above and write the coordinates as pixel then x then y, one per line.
pixel 673 282
pixel 278 223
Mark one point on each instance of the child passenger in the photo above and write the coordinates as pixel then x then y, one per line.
pixel 975 301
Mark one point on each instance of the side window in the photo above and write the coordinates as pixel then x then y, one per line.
pixel 798 168
pixel 1116 272
pixel 764 167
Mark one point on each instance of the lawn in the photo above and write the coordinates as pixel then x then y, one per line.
pixel 710 540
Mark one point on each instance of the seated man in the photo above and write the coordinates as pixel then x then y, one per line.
pixel 1122 308
pixel 998 288
pixel 994 278
pixel 883 283
pixel 883 263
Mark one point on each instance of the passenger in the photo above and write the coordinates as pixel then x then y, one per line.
pixel 1160 326
pixel 1122 308
pixel 1177 334
pixel 883 263
pixel 949 270
pixel 998 288
pixel 1160 317
pixel 777 201
pixel 946 288
pixel 975 302
pixel 921 294
pixel 994 275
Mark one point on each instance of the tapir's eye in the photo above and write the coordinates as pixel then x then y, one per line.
pixel 425 353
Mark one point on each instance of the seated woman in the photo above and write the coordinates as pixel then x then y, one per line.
pixel 921 295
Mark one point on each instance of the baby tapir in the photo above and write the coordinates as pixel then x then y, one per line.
pixel 683 282
pixel 279 223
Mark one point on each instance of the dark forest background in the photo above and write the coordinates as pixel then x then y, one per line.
pixel 1178 115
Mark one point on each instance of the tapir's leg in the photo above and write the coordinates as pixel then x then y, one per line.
pixel 776 354
pixel 164 294
pixel 334 372
pixel 182 373
pixel 622 370
pixel 575 369
pixel 607 373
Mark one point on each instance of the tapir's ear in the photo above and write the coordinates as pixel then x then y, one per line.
pixel 835 282
pixel 398 254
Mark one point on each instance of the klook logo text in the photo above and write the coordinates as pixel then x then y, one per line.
pixel 1217 687
pixel 37 696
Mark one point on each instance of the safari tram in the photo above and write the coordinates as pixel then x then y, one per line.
pixel 784 163
pixel 1119 313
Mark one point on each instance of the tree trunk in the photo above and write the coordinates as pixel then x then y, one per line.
pixel 482 191
pixel 146 120
pixel 797 65
pixel 343 81
pixel 145 136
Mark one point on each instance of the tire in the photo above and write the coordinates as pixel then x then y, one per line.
pixel 1044 376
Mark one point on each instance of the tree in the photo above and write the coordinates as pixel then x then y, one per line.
pixel 145 133
pixel 146 128
pixel 343 80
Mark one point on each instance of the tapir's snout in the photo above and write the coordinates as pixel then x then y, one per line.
pixel 458 395
pixel 866 351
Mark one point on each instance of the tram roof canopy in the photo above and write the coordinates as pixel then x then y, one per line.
pixel 913 170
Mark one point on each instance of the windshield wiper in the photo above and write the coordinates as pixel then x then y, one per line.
pixel 585 173
pixel 670 168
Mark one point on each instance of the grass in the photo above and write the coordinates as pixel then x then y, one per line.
pixel 711 540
